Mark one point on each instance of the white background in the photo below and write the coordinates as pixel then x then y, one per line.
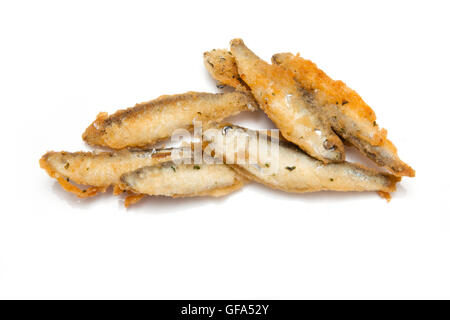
pixel 63 62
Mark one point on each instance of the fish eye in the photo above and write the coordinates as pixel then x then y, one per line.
pixel 225 129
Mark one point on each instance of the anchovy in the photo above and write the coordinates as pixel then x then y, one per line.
pixel 97 170
pixel 183 180
pixel 291 169
pixel 149 122
pixel 349 115
pixel 290 108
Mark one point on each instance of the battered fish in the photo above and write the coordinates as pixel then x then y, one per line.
pixel 290 108
pixel 97 170
pixel 150 122
pixel 183 180
pixel 293 170
pixel 354 116
pixel 349 115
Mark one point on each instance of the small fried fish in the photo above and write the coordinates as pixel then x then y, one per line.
pixel 183 180
pixel 292 170
pixel 355 117
pixel 149 122
pixel 97 170
pixel 289 107
pixel 349 115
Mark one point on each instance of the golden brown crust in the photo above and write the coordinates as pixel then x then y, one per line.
pixel 65 182
pixel 292 170
pixel 149 122
pixel 329 91
pixel 298 118
pixel 117 190
pixel 369 139
pixel 97 171
pixel 222 66
pixel 381 150
pixel 80 193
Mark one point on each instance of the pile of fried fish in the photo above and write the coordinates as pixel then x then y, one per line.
pixel 315 115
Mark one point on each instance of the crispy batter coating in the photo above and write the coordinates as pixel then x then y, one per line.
pixel 222 66
pixel 384 155
pixel 97 170
pixel 350 116
pixel 183 180
pixel 293 170
pixel 291 109
pixel 361 118
pixel 347 113
pixel 124 170
pixel 150 122
pixel 311 110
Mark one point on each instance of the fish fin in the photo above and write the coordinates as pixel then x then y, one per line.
pixel 80 193
pixel 385 195
pixel 133 199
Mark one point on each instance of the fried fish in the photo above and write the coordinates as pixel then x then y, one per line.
pixel 350 117
pixel 97 170
pixel 355 117
pixel 183 180
pixel 290 108
pixel 292 170
pixel 150 122
pixel 312 111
